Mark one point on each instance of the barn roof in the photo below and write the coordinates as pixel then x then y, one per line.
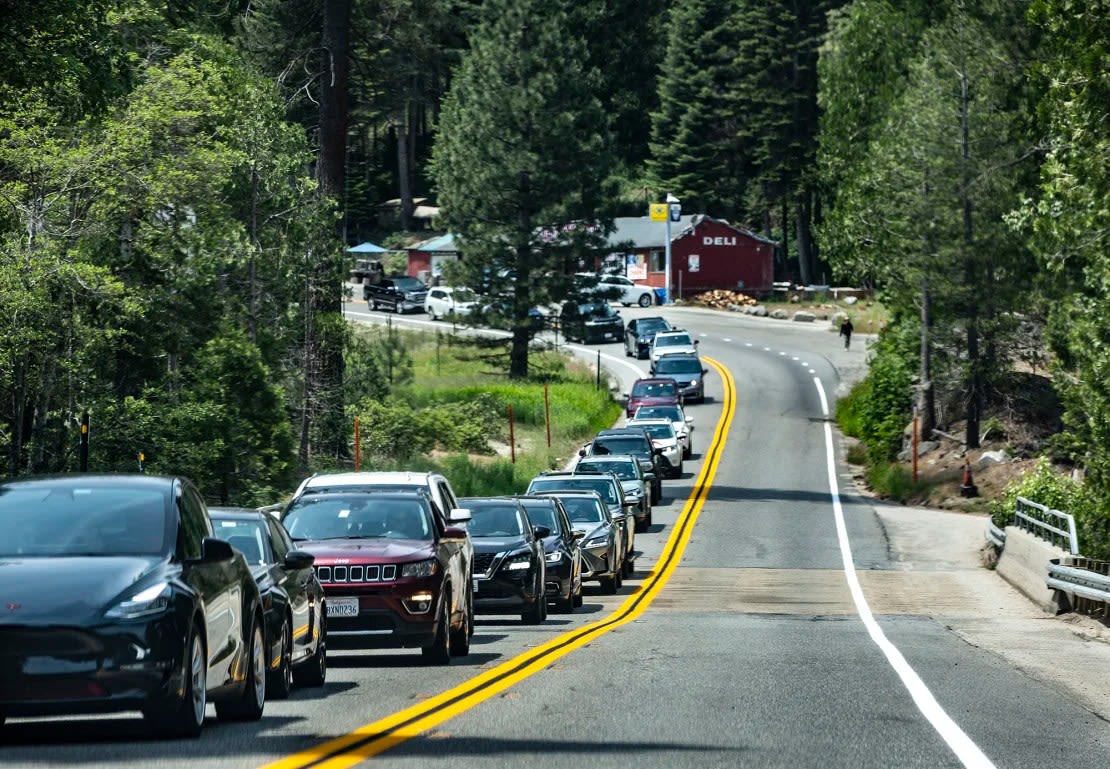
pixel 642 232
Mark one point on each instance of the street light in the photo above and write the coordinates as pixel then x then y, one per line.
pixel 674 212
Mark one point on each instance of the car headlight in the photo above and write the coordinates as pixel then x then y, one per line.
pixel 554 556
pixel 596 542
pixel 517 562
pixel 420 568
pixel 634 493
pixel 152 600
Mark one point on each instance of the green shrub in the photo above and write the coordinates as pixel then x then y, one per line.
pixel 893 481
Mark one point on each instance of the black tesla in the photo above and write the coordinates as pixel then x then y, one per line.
pixel 292 597
pixel 561 550
pixel 115 595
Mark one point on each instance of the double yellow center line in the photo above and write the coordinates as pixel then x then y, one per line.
pixel 381 735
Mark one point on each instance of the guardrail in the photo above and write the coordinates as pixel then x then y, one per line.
pixel 1046 523
pixel 995 535
pixel 1085 581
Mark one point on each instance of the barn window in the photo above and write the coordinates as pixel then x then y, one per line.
pixel 658 261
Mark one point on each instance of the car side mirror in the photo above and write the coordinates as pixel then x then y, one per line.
pixel 658 451
pixel 454 534
pixel 459 515
pixel 649 476
pixel 214 550
pixel 704 370
pixel 629 504
pixel 299 559
pixel 689 420
pixel 695 343
pixel 581 452
pixel 625 394
pixel 578 534
pixel 541 532
pixel 619 518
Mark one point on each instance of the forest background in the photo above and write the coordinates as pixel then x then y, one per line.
pixel 179 182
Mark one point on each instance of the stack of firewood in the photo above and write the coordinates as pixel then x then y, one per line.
pixel 722 298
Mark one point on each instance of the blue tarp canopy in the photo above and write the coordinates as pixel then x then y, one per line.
pixel 367 248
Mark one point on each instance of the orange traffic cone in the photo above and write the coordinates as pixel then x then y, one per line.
pixel 967 485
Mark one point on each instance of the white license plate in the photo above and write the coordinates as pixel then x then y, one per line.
pixel 475 581
pixel 343 607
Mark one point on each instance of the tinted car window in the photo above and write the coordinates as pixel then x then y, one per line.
pixel 654 389
pixel 660 431
pixel 583 510
pixel 248 537
pixel 620 445
pixel 673 341
pixel 602 486
pixel 678 366
pixel 648 325
pixel 543 515
pixel 495 521
pixel 194 524
pixel 87 521
pixel 279 540
pixel 408 284
pixel 658 412
pixel 342 516
pixel 626 471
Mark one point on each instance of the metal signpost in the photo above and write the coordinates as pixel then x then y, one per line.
pixel 668 212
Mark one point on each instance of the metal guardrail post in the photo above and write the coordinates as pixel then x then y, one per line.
pixel 1039 520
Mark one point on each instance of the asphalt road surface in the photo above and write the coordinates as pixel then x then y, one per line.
pixel 777 619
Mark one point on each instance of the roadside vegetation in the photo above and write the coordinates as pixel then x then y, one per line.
pixel 447 408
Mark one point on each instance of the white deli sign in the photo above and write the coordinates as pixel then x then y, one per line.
pixel 693 262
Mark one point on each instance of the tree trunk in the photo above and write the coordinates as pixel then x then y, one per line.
pixel 334 112
pixel 404 176
pixel 975 384
pixel 805 236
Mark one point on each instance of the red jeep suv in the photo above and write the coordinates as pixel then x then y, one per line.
pixel 393 573
pixel 652 392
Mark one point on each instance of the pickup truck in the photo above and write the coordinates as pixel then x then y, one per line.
pixel 401 293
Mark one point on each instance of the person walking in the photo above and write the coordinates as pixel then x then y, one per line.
pixel 846 329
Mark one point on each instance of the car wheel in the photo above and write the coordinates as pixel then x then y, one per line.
pixel 618 577
pixel 656 493
pixel 629 566
pixel 609 585
pixel 184 717
pixel 688 452
pixel 249 703
pixel 439 653
pixel 537 612
pixel 372 305
pixel 280 682
pixel 645 300
pixel 460 637
pixel 315 671
pixel 627 352
pixel 642 523
pixel 564 604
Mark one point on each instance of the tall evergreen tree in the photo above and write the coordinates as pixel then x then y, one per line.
pixel 522 156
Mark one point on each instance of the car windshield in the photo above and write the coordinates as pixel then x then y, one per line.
pixel 602 485
pixel 660 430
pixel 543 514
pixel 623 469
pixel 408 284
pixel 625 444
pixel 599 310
pixel 673 340
pixel 650 326
pixel 654 389
pixel 659 412
pixel 583 510
pixel 358 516
pixel 248 537
pixel 678 365
pixel 77 520
pixel 494 520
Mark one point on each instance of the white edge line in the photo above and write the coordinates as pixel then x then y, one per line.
pixel 966 751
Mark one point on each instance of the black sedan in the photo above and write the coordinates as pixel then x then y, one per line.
pixel 116 596
pixel 564 556
pixel 509 562
pixel 292 597
pixel 640 333
pixel 601 545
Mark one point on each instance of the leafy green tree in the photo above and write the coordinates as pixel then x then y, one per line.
pixel 521 158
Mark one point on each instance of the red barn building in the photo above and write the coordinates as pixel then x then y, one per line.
pixel 706 254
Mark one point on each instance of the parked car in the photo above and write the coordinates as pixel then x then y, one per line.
pixel 119 597
pixel 634 441
pixel 589 322
pixel 636 483
pixel 683 423
pixel 499 314
pixel 672 341
pixel 393 575
pixel 617 288
pixel 611 491
pixel 399 293
pixel 509 559
pixel 686 370
pixel 640 332
pixel 652 391
pixel 448 302
pixel 663 437
pixel 601 545
pixel 561 549
pixel 292 598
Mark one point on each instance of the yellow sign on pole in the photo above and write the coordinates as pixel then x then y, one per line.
pixel 658 212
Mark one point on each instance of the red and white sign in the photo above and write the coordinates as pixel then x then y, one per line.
pixel 693 262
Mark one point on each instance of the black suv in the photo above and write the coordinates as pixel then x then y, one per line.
pixel 589 322
pixel 640 333
pixel 509 561
pixel 630 440
pixel 401 293
pixel 561 549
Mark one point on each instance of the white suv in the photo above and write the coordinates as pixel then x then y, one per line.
pixel 617 288
pixel 437 486
pixel 667 342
